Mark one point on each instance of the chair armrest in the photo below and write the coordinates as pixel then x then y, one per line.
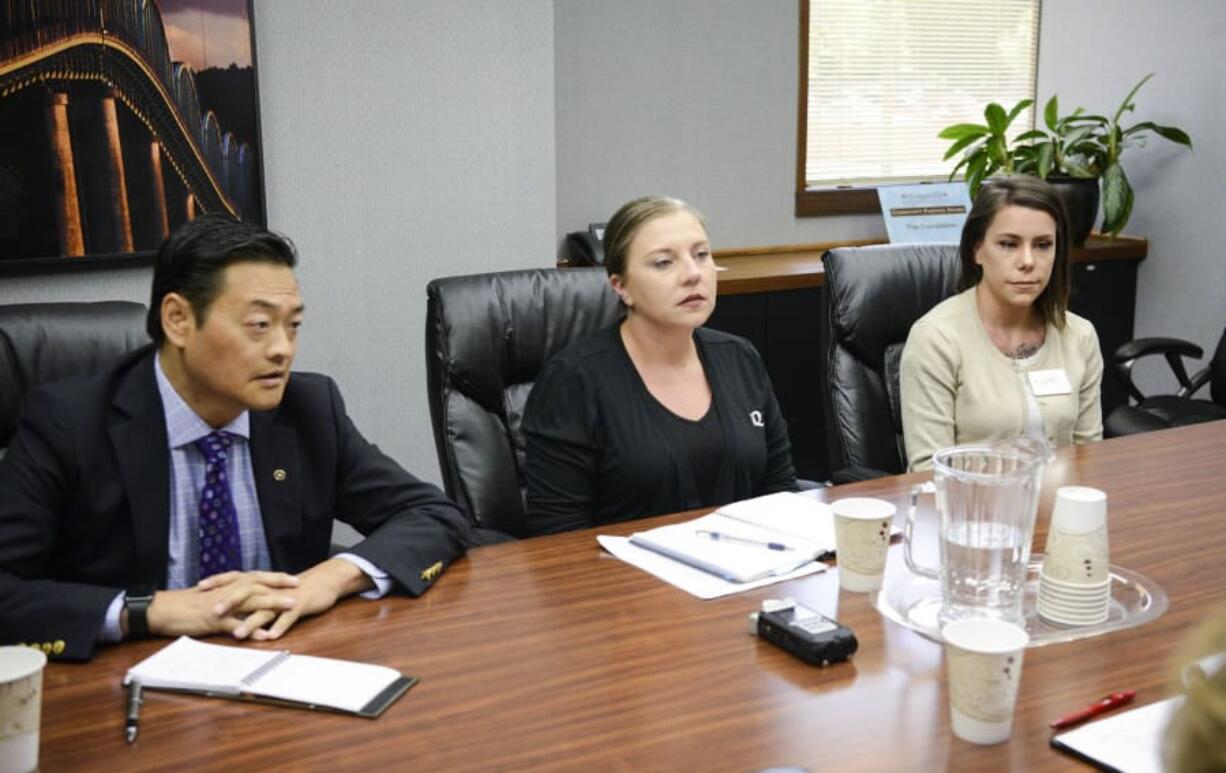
pixel 1141 347
pixel 1173 349
pixel 1130 420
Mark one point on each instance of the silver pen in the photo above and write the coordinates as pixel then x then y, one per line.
pixel 132 725
pixel 723 537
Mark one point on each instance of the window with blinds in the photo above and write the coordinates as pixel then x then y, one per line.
pixel 885 76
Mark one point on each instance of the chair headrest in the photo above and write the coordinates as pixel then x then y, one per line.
pixel 876 293
pixel 498 329
pixel 44 342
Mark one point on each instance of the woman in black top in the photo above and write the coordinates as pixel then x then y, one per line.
pixel 656 414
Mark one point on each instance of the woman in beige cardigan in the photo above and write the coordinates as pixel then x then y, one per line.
pixel 1004 357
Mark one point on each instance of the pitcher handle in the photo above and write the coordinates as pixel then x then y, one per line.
pixel 909 531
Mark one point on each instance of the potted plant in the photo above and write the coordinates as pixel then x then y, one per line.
pixel 1072 148
pixel 987 148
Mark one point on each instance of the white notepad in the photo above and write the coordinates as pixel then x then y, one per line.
pixel 269 675
pixel 802 526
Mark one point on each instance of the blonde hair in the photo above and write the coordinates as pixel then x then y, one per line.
pixel 1196 736
pixel 630 218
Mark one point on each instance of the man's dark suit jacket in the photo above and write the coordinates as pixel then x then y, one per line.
pixel 85 500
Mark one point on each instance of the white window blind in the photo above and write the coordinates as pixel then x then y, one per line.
pixel 885 76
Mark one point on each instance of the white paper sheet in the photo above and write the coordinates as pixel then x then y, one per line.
pixel 696 582
pixel 787 513
pixel 1130 741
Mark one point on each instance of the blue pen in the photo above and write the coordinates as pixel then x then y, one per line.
pixel 719 535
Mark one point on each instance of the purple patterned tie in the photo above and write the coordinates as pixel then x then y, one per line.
pixel 219 539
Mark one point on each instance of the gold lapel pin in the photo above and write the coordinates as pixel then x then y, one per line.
pixel 278 475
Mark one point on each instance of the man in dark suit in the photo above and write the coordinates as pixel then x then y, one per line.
pixel 192 489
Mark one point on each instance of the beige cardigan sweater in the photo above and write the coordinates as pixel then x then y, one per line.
pixel 957 387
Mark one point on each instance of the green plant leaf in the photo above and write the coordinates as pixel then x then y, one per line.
pixel 997 121
pixel 998 155
pixel 1117 198
pixel 1077 135
pixel 1016 111
pixel 1174 135
pixel 1051 113
pixel 1025 160
pixel 1171 133
pixel 975 172
pixel 954 172
pixel 960 130
pixel 959 145
pixel 1033 134
pixel 1045 159
pixel 1128 104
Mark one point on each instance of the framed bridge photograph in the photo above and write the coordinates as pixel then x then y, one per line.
pixel 120 120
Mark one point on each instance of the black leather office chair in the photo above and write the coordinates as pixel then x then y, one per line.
pixel 1164 411
pixel 43 342
pixel 874 296
pixel 487 336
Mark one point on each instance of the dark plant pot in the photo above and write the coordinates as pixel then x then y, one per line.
pixel 1080 196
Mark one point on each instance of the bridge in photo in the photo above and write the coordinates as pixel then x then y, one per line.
pixel 103 136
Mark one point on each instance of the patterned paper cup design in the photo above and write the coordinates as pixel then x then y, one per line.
pixel 1080 559
pixel 862 537
pixel 983 660
pixel 21 701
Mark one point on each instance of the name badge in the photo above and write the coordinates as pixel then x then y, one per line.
pixel 1045 383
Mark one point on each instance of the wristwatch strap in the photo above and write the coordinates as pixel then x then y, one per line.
pixel 137 604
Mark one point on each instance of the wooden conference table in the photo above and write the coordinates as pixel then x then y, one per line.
pixel 548 654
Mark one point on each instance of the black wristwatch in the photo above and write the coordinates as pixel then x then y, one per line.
pixel 137 604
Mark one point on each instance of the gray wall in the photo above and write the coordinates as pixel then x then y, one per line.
pixel 403 141
pixel 1091 54
pixel 691 98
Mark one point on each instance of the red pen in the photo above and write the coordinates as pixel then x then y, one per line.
pixel 1114 700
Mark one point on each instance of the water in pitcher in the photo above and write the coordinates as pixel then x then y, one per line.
pixel 984 570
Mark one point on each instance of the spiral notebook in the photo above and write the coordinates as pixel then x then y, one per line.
pixel 271 676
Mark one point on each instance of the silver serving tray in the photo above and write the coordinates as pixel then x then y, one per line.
pixel 913 602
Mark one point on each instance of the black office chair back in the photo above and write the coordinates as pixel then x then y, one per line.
pixel 874 295
pixel 487 336
pixel 44 342
pixel 1217 372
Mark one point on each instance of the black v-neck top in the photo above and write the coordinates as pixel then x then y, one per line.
pixel 701 446
pixel 599 450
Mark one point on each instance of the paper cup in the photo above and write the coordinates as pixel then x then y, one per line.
pixel 21 702
pixel 862 536
pixel 1077 558
pixel 983 660
pixel 1079 510
pixel 1077 538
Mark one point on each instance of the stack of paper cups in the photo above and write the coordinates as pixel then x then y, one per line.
pixel 1075 584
